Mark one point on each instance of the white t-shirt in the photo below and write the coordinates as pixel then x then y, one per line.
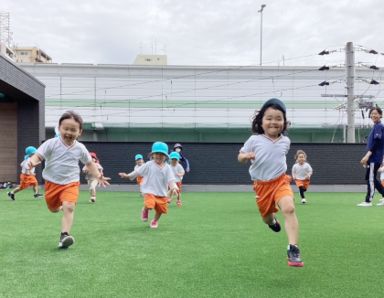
pixel 301 172
pixel 138 166
pixel 155 178
pixel 25 168
pixel 270 156
pixel 62 161
pixel 178 170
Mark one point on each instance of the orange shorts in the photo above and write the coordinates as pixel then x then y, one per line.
pixel 179 185
pixel 139 180
pixel 302 183
pixel 268 193
pixel 56 194
pixel 160 204
pixel 27 180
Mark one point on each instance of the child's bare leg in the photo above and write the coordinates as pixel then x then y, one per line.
pixel 287 207
pixel 92 190
pixel 15 190
pixel 67 220
pixel 36 190
pixel 157 216
pixel 269 218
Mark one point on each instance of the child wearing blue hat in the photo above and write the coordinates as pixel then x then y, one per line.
pixel 139 161
pixel 179 172
pixel 27 176
pixel 157 178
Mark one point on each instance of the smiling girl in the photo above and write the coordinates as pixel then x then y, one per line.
pixel 267 150
pixel 62 172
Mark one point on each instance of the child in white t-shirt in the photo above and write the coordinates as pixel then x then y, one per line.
pixel 139 161
pixel 27 176
pixel 301 173
pixel 266 151
pixel 62 172
pixel 92 180
pixel 157 178
pixel 179 172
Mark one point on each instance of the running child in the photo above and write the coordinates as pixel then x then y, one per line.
pixel 266 150
pixel 301 173
pixel 139 161
pixel 157 179
pixel 62 172
pixel 178 172
pixel 92 180
pixel 27 176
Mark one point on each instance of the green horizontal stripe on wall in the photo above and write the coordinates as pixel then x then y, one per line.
pixel 173 104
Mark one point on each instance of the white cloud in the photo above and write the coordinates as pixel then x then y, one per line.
pixel 200 32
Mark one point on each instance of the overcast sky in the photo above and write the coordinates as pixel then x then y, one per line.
pixel 196 32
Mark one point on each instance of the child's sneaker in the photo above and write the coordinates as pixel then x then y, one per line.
pixel 365 204
pixel 178 203
pixel 144 214
pixel 92 200
pixel 275 226
pixel 294 256
pixel 11 195
pixel 303 201
pixel 154 224
pixel 381 202
pixel 66 240
pixel 37 195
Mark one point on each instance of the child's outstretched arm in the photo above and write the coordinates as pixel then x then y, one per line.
pixel 130 176
pixel 34 161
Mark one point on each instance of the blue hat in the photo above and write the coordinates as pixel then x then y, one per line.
pixel 160 147
pixel 30 150
pixel 174 155
pixel 275 102
pixel 138 156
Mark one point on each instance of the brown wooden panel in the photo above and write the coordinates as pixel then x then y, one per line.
pixel 8 142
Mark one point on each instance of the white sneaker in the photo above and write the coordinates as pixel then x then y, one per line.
pixel 365 204
pixel 303 201
pixel 381 202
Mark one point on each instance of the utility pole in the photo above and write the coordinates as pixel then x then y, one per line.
pixel 261 32
pixel 350 69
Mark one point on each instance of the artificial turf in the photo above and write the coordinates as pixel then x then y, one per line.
pixel 214 246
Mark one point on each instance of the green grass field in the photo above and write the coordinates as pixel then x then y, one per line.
pixel 214 246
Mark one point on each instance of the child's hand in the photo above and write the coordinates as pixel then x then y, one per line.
pixel 381 169
pixel 172 192
pixel 123 175
pixel 250 155
pixel 103 181
pixel 32 163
